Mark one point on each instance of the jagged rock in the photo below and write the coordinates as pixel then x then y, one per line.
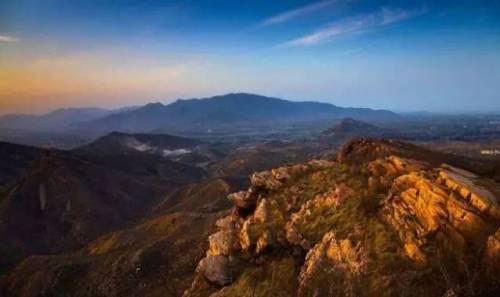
pixel 464 182
pixel 393 166
pixel 225 241
pixel 265 180
pixel 263 242
pixel 281 174
pixel 253 234
pixel 358 243
pixel 421 206
pixel 416 208
pixel 292 199
pixel 243 199
pixel 246 236
pixel 261 213
pixel 338 262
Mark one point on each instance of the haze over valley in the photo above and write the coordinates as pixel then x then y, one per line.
pixel 249 148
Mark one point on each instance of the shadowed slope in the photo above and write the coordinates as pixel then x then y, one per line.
pixel 67 199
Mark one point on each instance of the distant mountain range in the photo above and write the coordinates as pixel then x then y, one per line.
pixel 192 114
pixel 56 120
pixel 231 109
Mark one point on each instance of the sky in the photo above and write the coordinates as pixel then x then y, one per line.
pixel 400 55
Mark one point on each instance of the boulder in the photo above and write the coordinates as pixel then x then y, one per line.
pixel 220 270
pixel 225 241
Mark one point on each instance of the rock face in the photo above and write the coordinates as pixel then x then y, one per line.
pixel 331 262
pixel 377 222
pixel 445 205
pixel 465 183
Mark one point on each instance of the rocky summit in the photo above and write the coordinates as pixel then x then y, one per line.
pixel 383 219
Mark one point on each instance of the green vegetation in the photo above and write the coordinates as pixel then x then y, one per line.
pixel 277 277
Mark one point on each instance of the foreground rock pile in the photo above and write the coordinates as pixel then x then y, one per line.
pixel 372 223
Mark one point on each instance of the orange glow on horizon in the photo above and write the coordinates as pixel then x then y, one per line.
pixel 46 83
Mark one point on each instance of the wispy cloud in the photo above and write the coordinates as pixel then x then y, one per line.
pixel 298 12
pixel 390 16
pixel 5 38
pixel 385 17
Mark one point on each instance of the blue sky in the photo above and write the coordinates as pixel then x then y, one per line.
pixel 399 55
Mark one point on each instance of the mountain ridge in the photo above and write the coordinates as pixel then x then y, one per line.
pixel 58 119
pixel 233 108
pixel 384 218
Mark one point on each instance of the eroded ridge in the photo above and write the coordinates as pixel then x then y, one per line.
pixel 375 225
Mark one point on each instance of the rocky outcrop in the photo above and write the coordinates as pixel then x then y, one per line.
pixel 392 166
pixel 219 266
pixel 372 224
pixel 243 199
pixel 333 267
pixel 444 206
pixel 224 241
pixel 265 180
pixel 218 269
pixel 467 185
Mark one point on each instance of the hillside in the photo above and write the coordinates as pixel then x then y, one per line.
pixel 15 159
pixel 55 202
pixel 226 110
pixel 384 218
pixel 350 126
pixel 122 143
pixel 381 220
pixel 62 199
